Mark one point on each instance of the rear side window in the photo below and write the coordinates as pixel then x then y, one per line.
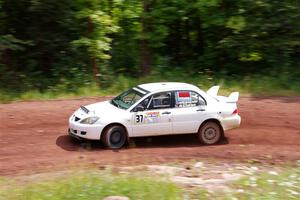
pixel 185 99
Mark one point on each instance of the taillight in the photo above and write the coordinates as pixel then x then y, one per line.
pixel 236 111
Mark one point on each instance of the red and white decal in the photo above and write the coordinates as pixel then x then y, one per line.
pixel 184 94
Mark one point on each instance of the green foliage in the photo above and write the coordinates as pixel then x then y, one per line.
pixel 260 186
pixel 236 23
pixel 95 186
pixel 255 85
pixel 99 25
pixel 45 43
pixel 91 184
pixel 9 42
pixel 285 185
pixel 254 56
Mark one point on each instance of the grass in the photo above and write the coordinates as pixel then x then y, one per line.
pixel 93 186
pixel 270 185
pixel 97 185
pixel 254 85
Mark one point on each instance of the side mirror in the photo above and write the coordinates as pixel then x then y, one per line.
pixel 139 108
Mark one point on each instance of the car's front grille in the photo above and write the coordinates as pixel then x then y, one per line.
pixel 76 119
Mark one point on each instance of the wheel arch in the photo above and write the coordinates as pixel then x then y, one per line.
pixel 114 124
pixel 212 120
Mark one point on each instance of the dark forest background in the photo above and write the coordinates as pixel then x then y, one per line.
pixel 48 45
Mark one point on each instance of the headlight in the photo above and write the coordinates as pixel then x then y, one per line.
pixel 89 120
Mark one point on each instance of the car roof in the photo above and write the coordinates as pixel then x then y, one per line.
pixel 163 86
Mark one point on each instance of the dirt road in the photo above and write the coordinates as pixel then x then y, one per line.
pixel 33 138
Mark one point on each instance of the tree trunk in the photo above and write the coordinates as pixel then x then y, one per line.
pixel 200 39
pixel 145 54
pixel 6 59
pixel 94 63
pixel 95 69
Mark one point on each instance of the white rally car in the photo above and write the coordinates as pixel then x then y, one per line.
pixel 157 109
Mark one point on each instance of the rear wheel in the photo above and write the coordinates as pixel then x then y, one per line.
pixel 114 137
pixel 210 133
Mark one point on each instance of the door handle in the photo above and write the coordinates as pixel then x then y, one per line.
pixel 200 109
pixel 166 113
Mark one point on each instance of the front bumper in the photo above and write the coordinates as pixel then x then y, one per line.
pixel 85 131
pixel 74 135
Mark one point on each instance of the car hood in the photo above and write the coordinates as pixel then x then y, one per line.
pixel 104 107
pixel 100 109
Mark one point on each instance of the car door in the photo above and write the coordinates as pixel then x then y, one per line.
pixel 156 118
pixel 189 112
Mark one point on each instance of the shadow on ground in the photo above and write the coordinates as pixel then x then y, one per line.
pixel 171 141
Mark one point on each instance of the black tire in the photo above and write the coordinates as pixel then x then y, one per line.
pixel 210 133
pixel 114 137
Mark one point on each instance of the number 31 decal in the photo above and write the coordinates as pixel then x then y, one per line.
pixel 139 118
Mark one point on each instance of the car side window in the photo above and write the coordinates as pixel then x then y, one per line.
pixel 145 103
pixel 185 99
pixel 160 100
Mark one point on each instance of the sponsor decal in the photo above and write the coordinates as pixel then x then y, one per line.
pixel 147 118
pixel 152 117
pixel 184 94
pixel 183 98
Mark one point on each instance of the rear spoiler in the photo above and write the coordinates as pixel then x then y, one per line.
pixel 213 91
pixel 232 98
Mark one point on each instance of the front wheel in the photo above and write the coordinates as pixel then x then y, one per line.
pixel 210 133
pixel 114 137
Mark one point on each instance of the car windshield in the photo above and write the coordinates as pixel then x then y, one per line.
pixel 127 99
